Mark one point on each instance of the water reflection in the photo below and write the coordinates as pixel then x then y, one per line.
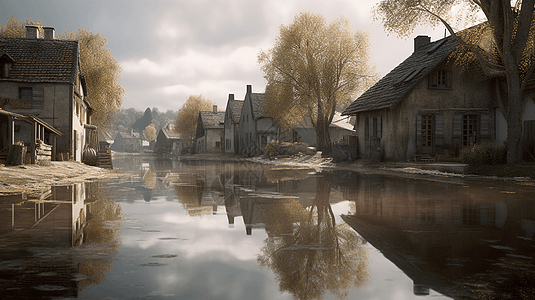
pixel 462 241
pixel 308 252
pixel 205 230
pixel 38 233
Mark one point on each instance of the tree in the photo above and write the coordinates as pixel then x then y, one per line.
pixel 313 69
pixel 186 121
pixel 150 132
pixel 102 73
pixel 144 121
pixel 509 62
pixel 14 29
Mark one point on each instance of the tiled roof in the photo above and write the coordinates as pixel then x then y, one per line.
pixel 40 60
pixel 234 108
pixel 389 91
pixel 212 120
pixel 169 131
pixel 257 101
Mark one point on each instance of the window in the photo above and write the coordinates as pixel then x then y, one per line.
pixel 373 127
pixel 426 129
pixel 218 144
pixel 469 134
pixel 440 79
pixel 25 94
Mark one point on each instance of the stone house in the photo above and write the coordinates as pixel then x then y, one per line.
pixel 426 105
pixel 232 124
pixel 42 78
pixel 256 129
pixel 210 131
pixel 168 140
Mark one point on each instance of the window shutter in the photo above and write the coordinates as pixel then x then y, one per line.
pixel 484 126
pixel 367 128
pixel 419 131
pixel 439 130
pixel 379 127
pixel 457 137
pixel 449 79
pixel 433 79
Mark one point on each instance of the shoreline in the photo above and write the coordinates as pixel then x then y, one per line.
pixel 37 178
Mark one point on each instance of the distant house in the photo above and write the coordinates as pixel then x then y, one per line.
pixel 42 78
pixel 340 130
pixel 425 105
pixel 131 142
pixel 232 124
pixel 256 129
pixel 168 141
pixel 210 131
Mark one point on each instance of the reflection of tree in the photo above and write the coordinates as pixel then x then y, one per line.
pixel 101 232
pixel 309 254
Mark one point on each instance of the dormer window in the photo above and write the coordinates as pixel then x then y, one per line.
pixel 5 65
pixel 440 79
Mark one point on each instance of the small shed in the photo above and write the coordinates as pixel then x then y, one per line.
pixel 19 130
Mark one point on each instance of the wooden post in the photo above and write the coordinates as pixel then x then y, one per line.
pixel 11 132
pixel 53 136
pixel 42 133
pixel 32 144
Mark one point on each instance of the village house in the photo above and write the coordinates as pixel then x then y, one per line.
pixel 232 124
pixel 210 131
pixel 425 106
pixel 131 142
pixel 341 131
pixel 168 141
pixel 42 78
pixel 256 129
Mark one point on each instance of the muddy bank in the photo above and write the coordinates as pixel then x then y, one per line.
pixel 36 178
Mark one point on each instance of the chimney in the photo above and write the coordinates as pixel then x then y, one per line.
pixel 249 89
pixel 421 41
pixel 215 108
pixel 32 32
pixel 230 97
pixel 49 33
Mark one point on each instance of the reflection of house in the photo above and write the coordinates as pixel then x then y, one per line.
pixel 340 130
pixel 168 140
pixel 210 131
pixel 440 234
pixel 42 78
pixel 426 104
pixel 127 142
pixel 232 124
pixel 256 128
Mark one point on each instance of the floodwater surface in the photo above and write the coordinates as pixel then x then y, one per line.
pixel 171 229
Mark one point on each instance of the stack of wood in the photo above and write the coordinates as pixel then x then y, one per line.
pixel 3 155
pixel 43 151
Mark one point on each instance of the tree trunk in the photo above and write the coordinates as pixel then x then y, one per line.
pixel 514 110
pixel 514 126
pixel 323 136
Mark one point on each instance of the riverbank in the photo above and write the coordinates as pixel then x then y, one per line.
pixel 36 178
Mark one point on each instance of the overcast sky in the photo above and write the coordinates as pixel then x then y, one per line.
pixel 172 49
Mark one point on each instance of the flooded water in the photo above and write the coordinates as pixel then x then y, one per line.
pixel 171 229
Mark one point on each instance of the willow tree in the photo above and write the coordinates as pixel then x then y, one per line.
pixel 186 121
pixel 313 69
pixel 102 74
pixel 509 61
